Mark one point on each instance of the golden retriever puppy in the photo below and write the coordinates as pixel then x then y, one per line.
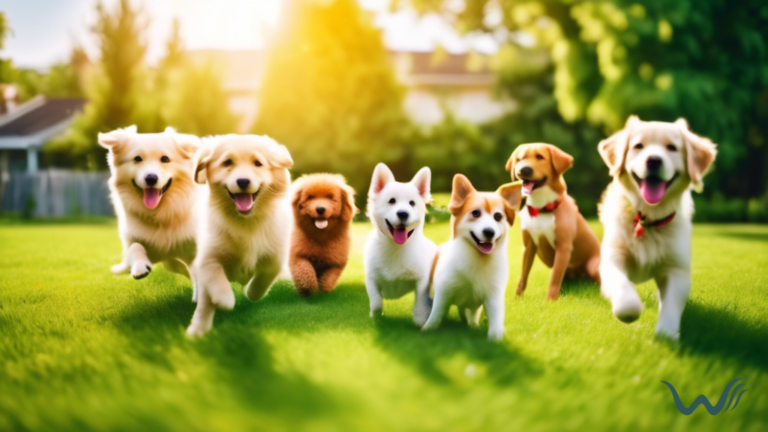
pixel 323 208
pixel 246 224
pixel 646 212
pixel 155 198
pixel 551 223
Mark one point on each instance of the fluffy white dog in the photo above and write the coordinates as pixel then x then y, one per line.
pixel 155 198
pixel 646 212
pixel 472 268
pixel 245 229
pixel 398 257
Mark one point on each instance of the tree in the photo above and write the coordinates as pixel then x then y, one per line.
pixel 330 94
pixel 705 61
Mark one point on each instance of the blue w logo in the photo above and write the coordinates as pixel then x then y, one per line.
pixel 702 400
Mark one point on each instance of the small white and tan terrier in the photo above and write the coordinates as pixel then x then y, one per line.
pixel 398 257
pixel 472 269
pixel 155 198
pixel 646 212
pixel 245 229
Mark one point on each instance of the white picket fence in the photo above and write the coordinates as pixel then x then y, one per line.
pixel 57 193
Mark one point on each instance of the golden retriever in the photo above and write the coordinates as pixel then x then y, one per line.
pixel 244 234
pixel 646 212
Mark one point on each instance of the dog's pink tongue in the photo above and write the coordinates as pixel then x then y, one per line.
pixel 151 197
pixel 399 235
pixel 485 248
pixel 243 202
pixel 528 188
pixel 652 192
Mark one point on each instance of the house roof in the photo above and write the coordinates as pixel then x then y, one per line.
pixel 36 121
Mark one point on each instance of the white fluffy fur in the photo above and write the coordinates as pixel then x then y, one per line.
pixel 165 233
pixel 250 248
pixel 393 270
pixel 543 223
pixel 663 253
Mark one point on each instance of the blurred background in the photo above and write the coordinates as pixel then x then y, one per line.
pixel 452 84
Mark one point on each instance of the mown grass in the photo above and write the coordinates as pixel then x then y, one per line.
pixel 81 349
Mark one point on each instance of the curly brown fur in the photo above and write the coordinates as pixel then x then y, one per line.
pixel 323 208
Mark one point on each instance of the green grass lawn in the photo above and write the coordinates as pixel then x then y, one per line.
pixel 81 349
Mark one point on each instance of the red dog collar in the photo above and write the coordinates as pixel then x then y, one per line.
pixel 641 224
pixel 549 208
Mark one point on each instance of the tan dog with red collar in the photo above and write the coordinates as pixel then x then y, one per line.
pixel 551 223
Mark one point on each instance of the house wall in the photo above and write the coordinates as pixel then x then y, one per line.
pixel 427 105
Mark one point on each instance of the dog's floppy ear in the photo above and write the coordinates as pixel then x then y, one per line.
pixel 422 180
pixel 202 158
pixel 561 161
pixel 116 139
pixel 510 167
pixel 348 209
pixel 462 187
pixel 187 144
pixel 279 156
pixel 381 177
pixel 700 153
pixel 513 196
pixel 613 149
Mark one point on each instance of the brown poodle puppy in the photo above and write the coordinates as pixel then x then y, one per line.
pixel 323 208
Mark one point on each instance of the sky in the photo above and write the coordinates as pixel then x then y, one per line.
pixel 44 31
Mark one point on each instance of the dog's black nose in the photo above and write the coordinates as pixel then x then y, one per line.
pixel 526 171
pixel 151 179
pixel 653 162
pixel 320 210
pixel 402 215
pixel 243 183
pixel 489 233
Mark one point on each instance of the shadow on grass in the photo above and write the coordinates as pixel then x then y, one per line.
pixel 717 332
pixel 744 235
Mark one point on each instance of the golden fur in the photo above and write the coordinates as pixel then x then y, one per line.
pixel 249 247
pixel 164 233
pixel 562 239
pixel 319 255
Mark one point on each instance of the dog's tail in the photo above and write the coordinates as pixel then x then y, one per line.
pixel 432 278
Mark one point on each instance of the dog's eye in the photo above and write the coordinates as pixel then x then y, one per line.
pixel 638 146
pixel 391 200
pixel 412 203
pixel 671 147
pixel 476 213
pixel 258 163
pixel 137 158
pixel 539 157
pixel 330 197
pixel 311 197
pixel 497 217
pixel 228 162
pixel 165 159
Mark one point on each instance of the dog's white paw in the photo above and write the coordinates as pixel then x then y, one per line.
pixel 223 299
pixel 196 330
pixel 627 306
pixel 140 269
pixel 119 268
pixel 495 334
pixel 420 317
pixel 667 333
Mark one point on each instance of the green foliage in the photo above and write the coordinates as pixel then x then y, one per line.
pixel 330 95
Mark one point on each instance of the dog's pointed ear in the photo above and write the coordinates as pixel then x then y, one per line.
pixel 510 167
pixel 202 157
pixel 348 209
pixel 169 129
pixel 422 181
pixel 700 154
pixel 116 139
pixel 613 149
pixel 461 189
pixel 382 176
pixel 280 157
pixel 512 193
pixel 561 161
